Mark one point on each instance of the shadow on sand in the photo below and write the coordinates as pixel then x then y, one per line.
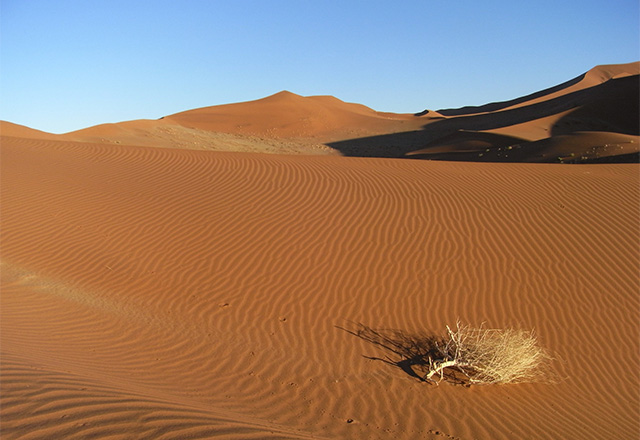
pixel 612 106
pixel 408 352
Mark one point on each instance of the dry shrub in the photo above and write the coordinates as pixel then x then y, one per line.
pixel 488 356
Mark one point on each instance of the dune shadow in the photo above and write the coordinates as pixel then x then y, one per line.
pixel 496 106
pixel 614 107
pixel 408 352
pixel 611 107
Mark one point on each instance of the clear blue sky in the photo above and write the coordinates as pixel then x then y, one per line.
pixel 70 64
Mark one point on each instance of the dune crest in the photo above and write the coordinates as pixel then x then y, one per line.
pixel 600 107
pixel 595 76
pixel 17 130
pixel 287 115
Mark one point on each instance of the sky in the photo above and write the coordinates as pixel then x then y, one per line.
pixel 71 64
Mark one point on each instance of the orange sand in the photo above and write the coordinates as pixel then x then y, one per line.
pixel 156 292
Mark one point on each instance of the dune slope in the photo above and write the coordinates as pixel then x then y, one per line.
pixel 283 123
pixel 590 119
pixel 168 293
pixel 535 128
pixel 287 115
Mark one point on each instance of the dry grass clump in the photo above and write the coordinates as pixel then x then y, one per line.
pixel 488 356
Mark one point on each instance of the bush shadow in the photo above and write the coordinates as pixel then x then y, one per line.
pixel 409 352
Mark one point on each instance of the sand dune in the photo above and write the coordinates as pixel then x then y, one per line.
pixel 283 123
pixel 287 115
pixel 151 289
pixel 16 130
pixel 604 101
pixel 593 77
pixel 600 107
pixel 167 134
pixel 171 293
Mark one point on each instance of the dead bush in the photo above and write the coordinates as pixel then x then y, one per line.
pixel 488 356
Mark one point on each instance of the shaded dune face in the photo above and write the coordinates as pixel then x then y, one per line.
pixel 600 108
pixel 169 293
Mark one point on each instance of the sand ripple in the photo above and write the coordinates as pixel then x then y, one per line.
pixel 168 293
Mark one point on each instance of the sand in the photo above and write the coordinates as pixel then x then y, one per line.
pixel 600 107
pixel 157 292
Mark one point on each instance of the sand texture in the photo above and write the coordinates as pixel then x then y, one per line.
pixel 175 293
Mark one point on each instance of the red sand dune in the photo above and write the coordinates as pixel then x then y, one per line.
pixel 287 115
pixel 16 130
pixel 601 107
pixel 603 102
pixel 281 123
pixel 154 292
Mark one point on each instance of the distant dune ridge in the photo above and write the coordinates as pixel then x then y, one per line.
pixel 165 279
pixel 591 118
